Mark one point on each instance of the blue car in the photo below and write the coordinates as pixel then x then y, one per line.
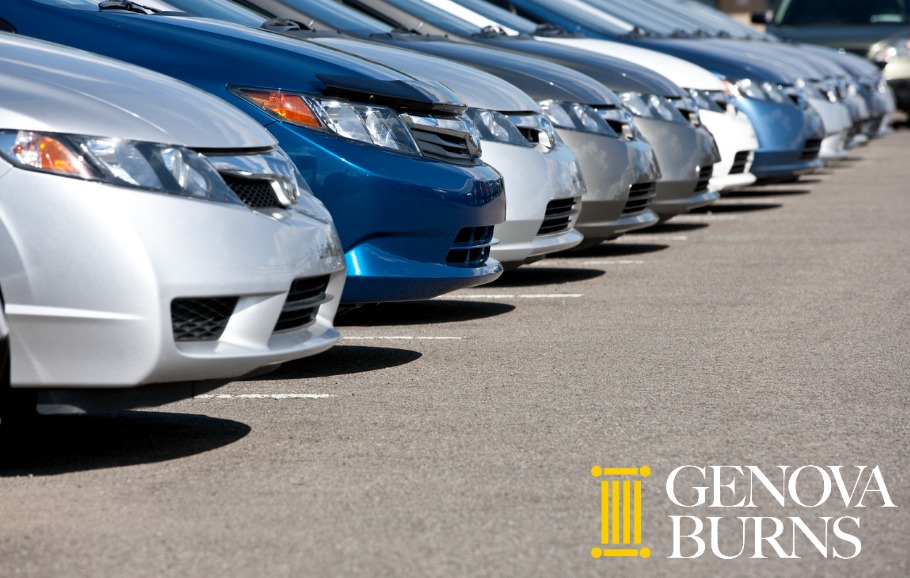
pixel 789 134
pixel 392 158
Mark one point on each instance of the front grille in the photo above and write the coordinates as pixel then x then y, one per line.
pixel 810 151
pixel 302 304
pixel 704 177
pixel 739 163
pixel 444 145
pixel 558 216
pixel 201 319
pixel 471 247
pixel 257 193
pixel 640 197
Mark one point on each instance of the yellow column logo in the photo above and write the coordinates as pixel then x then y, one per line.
pixel 620 512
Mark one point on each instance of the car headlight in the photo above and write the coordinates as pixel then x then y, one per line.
pixel 575 116
pixel 536 128
pixel 148 166
pixel 712 100
pixel 764 91
pixel 688 107
pixel 621 121
pixel 494 126
pixel 884 52
pixel 651 106
pixel 368 123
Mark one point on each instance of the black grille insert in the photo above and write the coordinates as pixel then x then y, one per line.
pixel 640 197
pixel 558 216
pixel 302 305
pixel 471 247
pixel 810 151
pixel 257 193
pixel 739 163
pixel 704 177
pixel 444 145
pixel 201 319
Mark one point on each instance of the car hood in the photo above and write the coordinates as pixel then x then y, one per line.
pixel 541 79
pixel 680 71
pixel 213 54
pixel 479 89
pixel 722 57
pixel 617 74
pixel 47 87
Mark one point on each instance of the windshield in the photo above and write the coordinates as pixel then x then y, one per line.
pixel 336 16
pixel 213 9
pixel 643 16
pixel 841 12
pixel 500 15
pixel 574 11
pixel 436 16
pixel 81 4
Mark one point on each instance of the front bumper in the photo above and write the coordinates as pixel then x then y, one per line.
pixel 90 305
pixel 682 152
pixel 736 142
pixel 533 180
pixel 789 139
pixel 398 215
pixel 610 167
pixel 838 124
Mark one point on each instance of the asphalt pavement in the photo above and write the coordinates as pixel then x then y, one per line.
pixel 471 435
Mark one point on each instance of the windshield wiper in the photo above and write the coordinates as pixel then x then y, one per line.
pixel 283 25
pixel 490 32
pixel 550 29
pixel 126 5
pixel 639 32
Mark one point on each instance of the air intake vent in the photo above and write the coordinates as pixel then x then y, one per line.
pixel 445 145
pixel 810 151
pixel 704 177
pixel 257 193
pixel 640 197
pixel 302 305
pixel 558 216
pixel 201 319
pixel 739 163
pixel 471 247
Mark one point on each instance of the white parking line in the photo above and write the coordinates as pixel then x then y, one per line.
pixel 265 396
pixel 613 262
pixel 397 337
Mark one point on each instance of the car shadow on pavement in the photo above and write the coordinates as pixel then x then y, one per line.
pixel 717 208
pixel 51 445
pixel 759 192
pixel 543 275
pixel 616 249
pixel 343 360
pixel 428 312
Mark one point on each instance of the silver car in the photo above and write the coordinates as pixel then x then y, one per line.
pixel 156 243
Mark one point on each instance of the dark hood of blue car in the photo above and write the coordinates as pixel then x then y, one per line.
pixel 215 54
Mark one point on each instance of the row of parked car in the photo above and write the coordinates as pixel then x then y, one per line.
pixel 161 240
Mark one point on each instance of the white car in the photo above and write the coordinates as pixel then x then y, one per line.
pixel 156 243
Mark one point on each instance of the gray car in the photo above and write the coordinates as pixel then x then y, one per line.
pixel 156 243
